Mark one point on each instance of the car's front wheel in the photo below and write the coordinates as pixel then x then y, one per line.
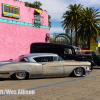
pixel 78 71
pixel 20 75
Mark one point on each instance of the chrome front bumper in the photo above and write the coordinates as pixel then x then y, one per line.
pixel 87 72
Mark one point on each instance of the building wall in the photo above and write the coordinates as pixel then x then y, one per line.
pixel 26 13
pixel 15 39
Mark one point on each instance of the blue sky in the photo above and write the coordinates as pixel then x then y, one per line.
pixel 56 8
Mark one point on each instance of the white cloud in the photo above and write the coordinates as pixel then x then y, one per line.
pixel 91 3
pixel 57 30
pixel 56 8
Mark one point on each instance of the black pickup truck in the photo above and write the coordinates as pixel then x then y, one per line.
pixel 67 52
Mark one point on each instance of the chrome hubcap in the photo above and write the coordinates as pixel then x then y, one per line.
pixel 20 75
pixel 79 71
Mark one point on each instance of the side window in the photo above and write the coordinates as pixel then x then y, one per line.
pixel 50 59
pixel 67 51
pixel 55 58
pixel 43 59
pixel 39 59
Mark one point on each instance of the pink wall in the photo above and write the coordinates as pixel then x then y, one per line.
pixel 26 13
pixel 15 40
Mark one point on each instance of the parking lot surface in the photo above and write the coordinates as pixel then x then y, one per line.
pixel 66 88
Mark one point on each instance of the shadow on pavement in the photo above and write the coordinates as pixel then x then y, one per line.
pixel 96 68
pixel 10 79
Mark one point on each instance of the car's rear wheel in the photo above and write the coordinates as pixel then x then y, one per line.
pixel 20 75
pixel 78 71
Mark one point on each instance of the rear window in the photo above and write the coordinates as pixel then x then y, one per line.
pixel 24 60
pixel 21 59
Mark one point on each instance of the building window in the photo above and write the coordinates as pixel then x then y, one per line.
pixel 10 11
pixel 38 17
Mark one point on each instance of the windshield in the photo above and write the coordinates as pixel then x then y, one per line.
pixel 60 59
pixel 57 59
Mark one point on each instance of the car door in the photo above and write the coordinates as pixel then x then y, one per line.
pixel 68 67
pixel 52 68
pixel 36 70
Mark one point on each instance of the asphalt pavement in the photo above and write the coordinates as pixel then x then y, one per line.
pixel 65 88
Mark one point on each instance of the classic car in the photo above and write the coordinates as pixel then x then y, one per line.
pixel 96 58
pixel 39 65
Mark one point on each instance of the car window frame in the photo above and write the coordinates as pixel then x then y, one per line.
pixel 43 58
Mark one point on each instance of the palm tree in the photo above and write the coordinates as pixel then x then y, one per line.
pixel 71 18
pixel 67 23
pixel 89 24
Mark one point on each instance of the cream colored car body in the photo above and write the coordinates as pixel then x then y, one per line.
pixel 55 68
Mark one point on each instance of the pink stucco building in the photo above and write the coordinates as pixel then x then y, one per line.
pixel 19 27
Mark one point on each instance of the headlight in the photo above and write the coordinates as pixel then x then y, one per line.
pixel 88 67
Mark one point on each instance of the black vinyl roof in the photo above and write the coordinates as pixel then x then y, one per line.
pixel 51 44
